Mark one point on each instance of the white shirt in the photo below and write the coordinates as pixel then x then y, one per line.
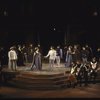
pixel 51 54
pixel 12 55
pixel 94 65
pixel 72 70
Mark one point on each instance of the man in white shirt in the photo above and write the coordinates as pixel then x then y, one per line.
pixel 52 56
pixel 93 69
pixel 12 55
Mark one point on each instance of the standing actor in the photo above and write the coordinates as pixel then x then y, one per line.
pixel 52 56
pixel 58 56
pixel 36 60
pixel 93 69
pixel 12 55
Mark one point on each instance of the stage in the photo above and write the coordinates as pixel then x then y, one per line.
pixel 45 79
pixel 24 77
pixel 45 69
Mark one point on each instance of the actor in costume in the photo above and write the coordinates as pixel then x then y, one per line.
pixel 52 56
pixel 36 64
pixel 72 77
pixel 12 55
pixel 93 69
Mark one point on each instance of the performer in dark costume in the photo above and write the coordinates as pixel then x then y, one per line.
pixel 2 57
pixel 84 55
pixel 76 55
pixel 25 53
pixel 78 73
pixel 30 53
pixel 85 74
pixel 98 55
pixel 36 64
pixel 68 60
pixel 20 61
pixel 82 73
pixel 72 77
pixel 41 52
pixel 90 52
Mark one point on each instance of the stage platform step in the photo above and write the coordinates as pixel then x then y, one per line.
pixel 36 86
pixel 38 79
pixel 43 78
pixel 41 74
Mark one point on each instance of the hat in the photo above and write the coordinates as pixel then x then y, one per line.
pixel 11 48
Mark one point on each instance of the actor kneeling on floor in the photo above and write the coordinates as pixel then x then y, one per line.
pixel 72 78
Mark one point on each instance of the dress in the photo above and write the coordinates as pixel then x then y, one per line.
pixel 36 64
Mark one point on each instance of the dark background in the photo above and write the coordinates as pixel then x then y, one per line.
pixel 33 21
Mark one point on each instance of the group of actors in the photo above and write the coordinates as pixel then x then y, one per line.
pixel 82 69
pixel 19 58
pixel 83 65
pixel 83 72
pixel 36 57
pixel 69 54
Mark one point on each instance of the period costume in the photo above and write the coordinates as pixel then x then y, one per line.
pixel 12 55
pixel 93 70
pixel 72 77
pixel 58 57
pixel 30 53
pixel 82 73
pixel 84 55
pixel 25 54
pixel 68 59
pixel 36 64
pixel 20 61
pixel 52 56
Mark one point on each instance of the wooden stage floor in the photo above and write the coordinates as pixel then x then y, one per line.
pixel 45 69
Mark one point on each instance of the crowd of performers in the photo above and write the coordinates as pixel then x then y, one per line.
pixel 83 73
pixel 26 54
pixel 83 63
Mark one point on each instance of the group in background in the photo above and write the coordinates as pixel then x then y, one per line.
pixel 82 61
pixel 66 54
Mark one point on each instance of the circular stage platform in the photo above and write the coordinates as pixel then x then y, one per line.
pixel 24 77
pixel 45 70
